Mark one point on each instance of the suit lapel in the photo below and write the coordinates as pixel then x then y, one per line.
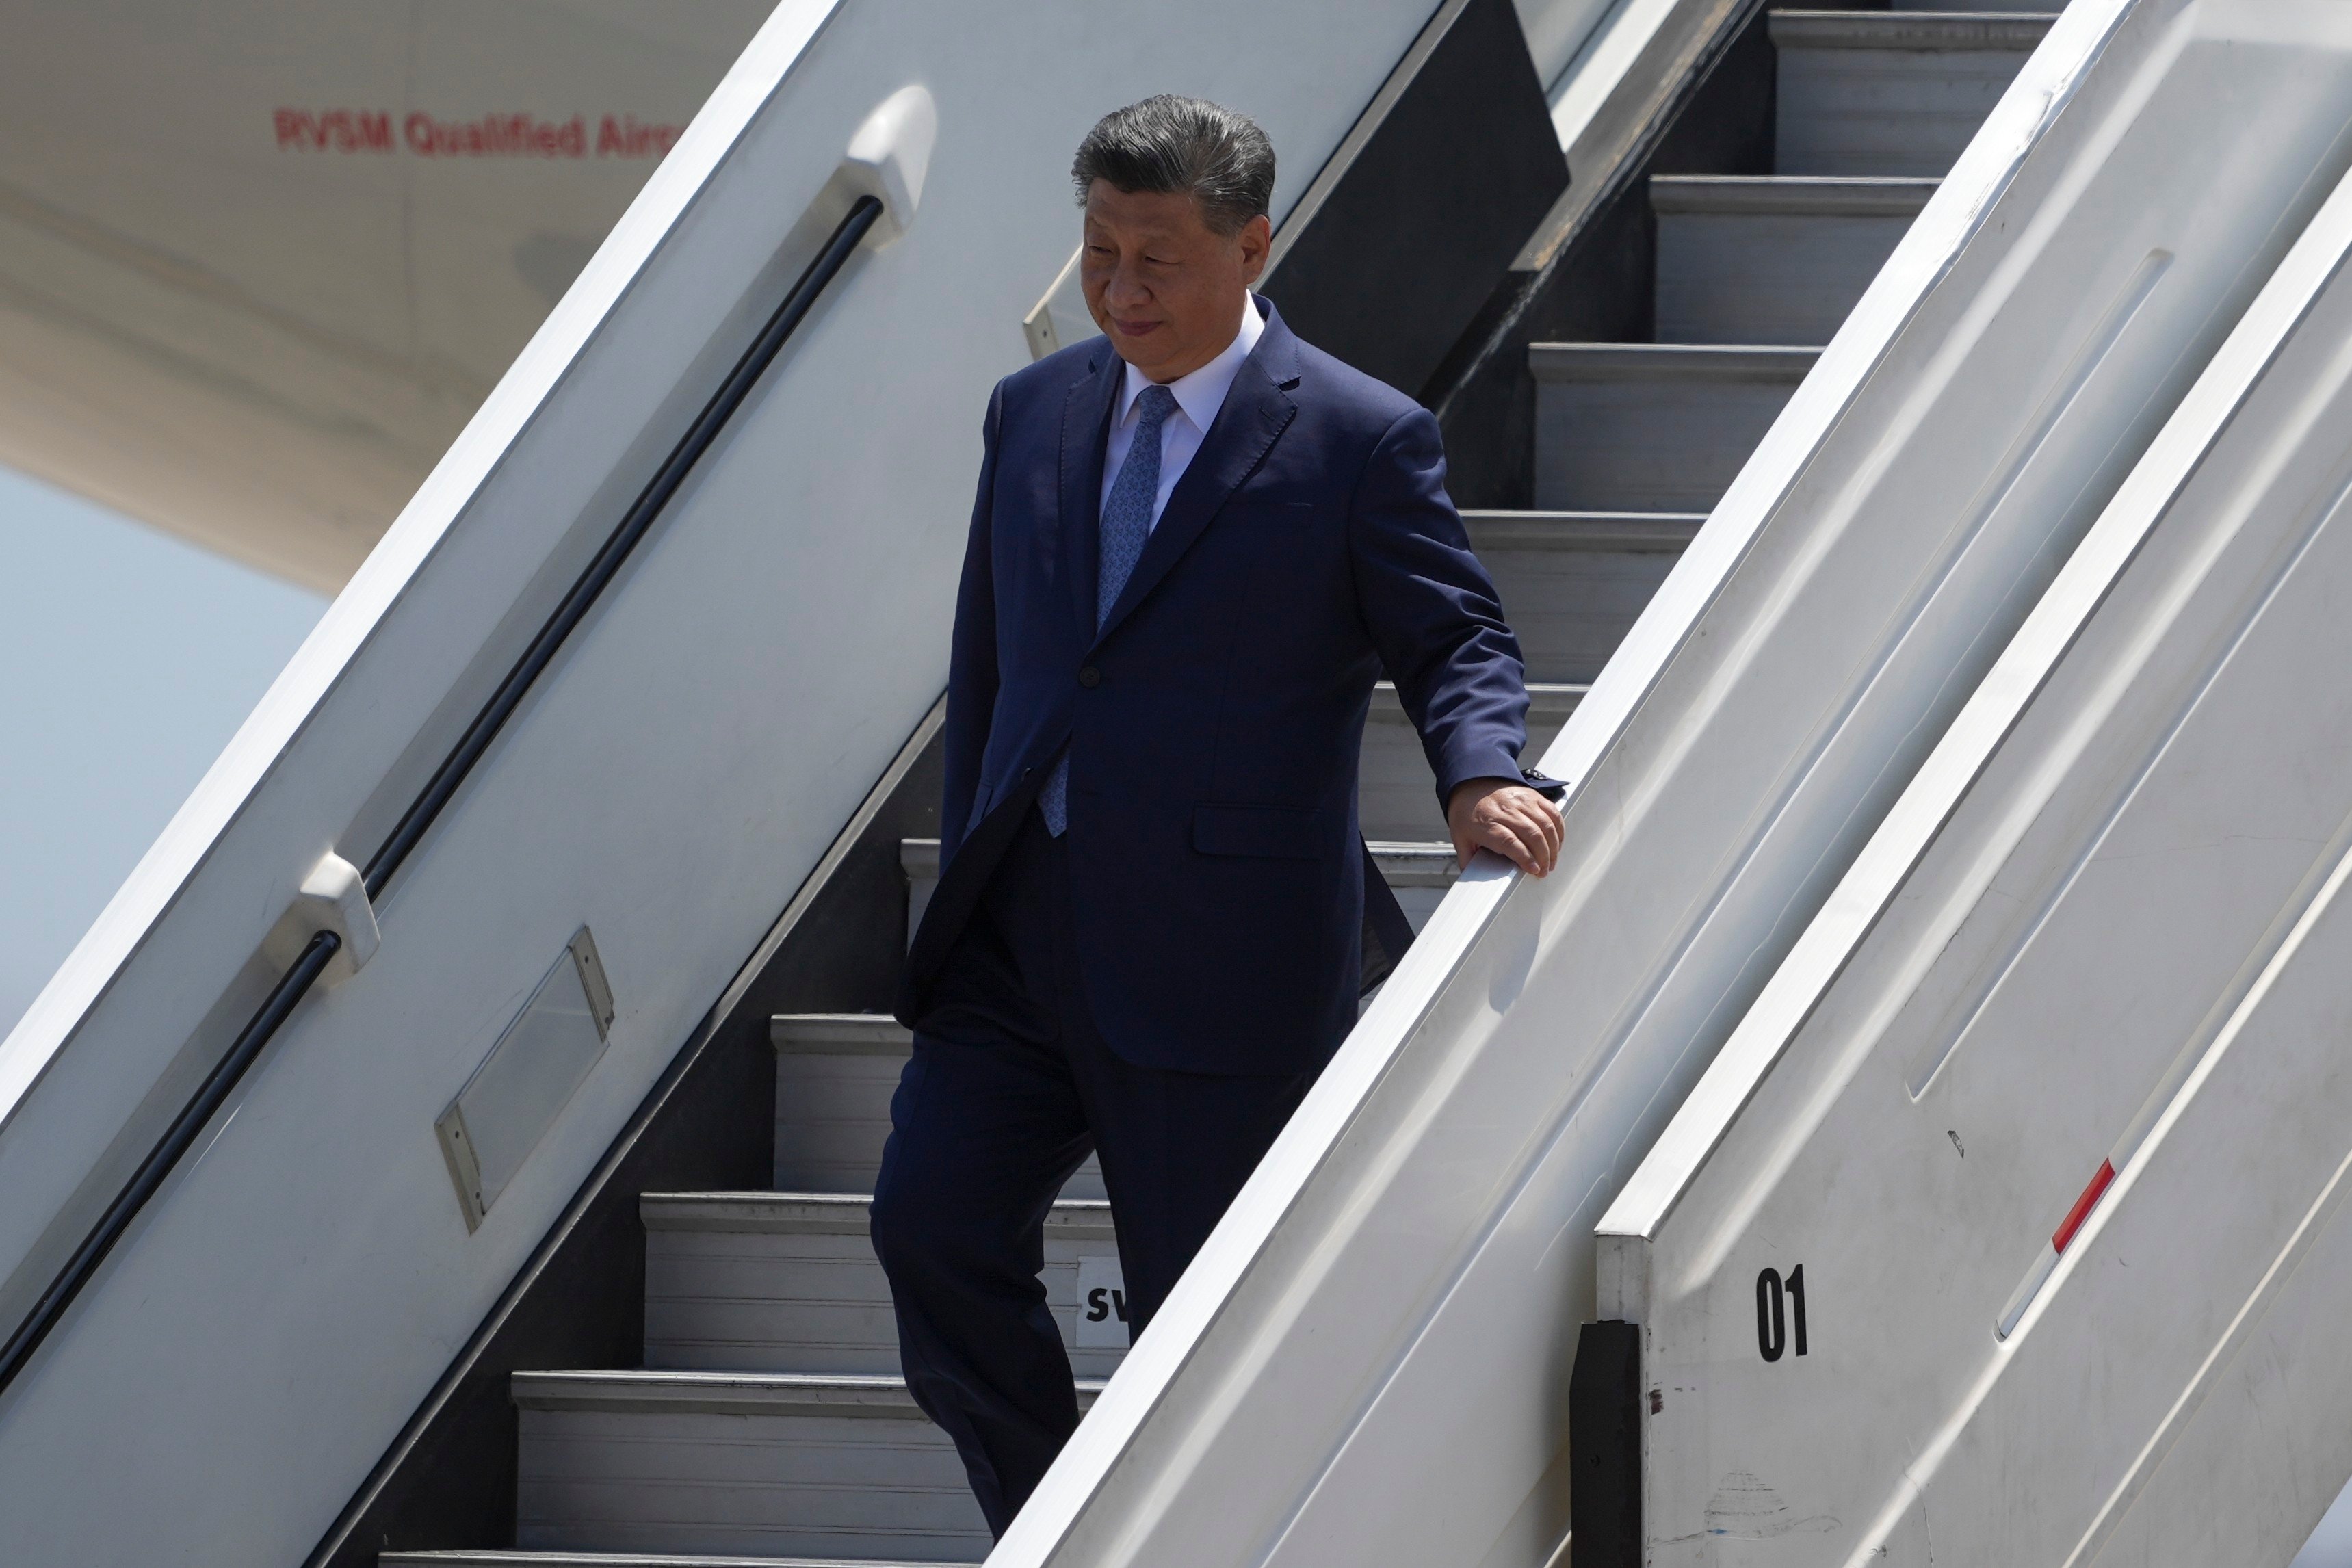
pixel 1085 422
pixel 1255 411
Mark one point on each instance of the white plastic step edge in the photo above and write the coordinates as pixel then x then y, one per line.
pixel 1368 1363
pixel 2100 945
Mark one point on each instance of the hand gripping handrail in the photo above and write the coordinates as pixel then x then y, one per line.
pixel 439 790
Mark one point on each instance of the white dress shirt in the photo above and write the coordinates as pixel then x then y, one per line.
pixel 1198 397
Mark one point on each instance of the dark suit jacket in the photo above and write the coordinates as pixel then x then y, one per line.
pixel 1217 876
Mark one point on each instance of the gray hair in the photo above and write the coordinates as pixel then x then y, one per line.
pixel 1220 159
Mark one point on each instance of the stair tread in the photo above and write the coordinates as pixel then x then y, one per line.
pixel 1415 865
pixel 1409 858
pixel 1617 531
pixel 1671 362
pixel 667 1392
pixel 1559 698
pixel 503 1558
pixel 1784 195
pixel 1918 30
pixel 837 1034
pixel 817 1214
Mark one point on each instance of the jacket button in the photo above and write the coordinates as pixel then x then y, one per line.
pixel 1089 677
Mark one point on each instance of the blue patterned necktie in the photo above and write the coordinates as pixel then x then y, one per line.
pixel 1125 524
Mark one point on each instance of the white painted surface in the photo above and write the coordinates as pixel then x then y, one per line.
pixel 1396 1292
pixel 676 774
pixel 2114 898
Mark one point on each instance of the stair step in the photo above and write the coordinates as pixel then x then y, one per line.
pixel 1772 258
pixel 1890 93
pixel 1574 582
pixel 742 1464
pixel 788 1282
pixel 1940 30
pixel 1555 533
pixel 1416 864
pixel 502 1558
pixel 1653 426
pixel 835 1073
pixel 834 1076
pixel 1396 795
pixel 1408 865
pixel 840 1034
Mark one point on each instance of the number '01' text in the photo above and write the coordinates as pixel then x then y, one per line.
pixel 1780 1307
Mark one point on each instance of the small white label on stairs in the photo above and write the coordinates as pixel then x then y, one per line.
pixel 1102 1304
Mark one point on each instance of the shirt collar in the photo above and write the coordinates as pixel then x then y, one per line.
pixel 1203 393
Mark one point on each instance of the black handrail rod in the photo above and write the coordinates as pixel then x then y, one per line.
pixel 439 790
pixel 418 819
pixel 161 1160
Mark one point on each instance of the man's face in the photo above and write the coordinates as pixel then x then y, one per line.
pixel 1164 287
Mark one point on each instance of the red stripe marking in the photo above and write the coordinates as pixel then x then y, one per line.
pixel 2083 1208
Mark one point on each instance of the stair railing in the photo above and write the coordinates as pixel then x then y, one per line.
pixel 53 1303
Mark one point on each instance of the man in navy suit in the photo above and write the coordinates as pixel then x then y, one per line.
pixel 1198 544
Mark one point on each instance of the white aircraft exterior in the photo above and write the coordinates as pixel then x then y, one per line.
pixel 260 262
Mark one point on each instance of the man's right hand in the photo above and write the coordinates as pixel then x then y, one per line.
pixel 1506 817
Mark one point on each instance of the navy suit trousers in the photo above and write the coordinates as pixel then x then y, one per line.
pixel 1011 1086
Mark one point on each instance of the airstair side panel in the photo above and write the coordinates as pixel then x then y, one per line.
pixel 2008 1226
pixel 261 1334
pixel 1368 1363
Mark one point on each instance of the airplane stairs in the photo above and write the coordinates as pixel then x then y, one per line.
pixel 768 1422
pixel 1868 327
